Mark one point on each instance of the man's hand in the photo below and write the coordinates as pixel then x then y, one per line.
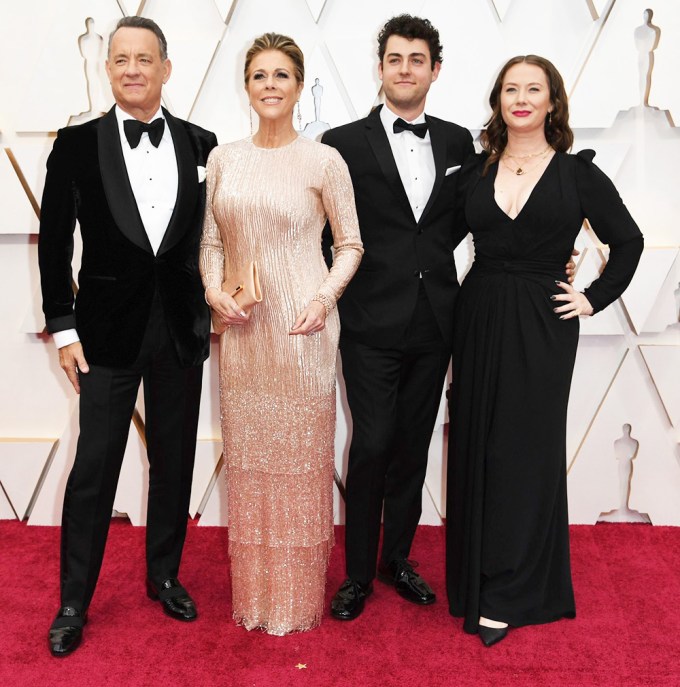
pixel 72 362
pixel 571 266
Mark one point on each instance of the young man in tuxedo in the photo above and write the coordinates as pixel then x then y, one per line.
pixel 133 181
pixel 397 312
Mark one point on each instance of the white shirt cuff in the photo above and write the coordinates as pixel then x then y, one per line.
pixel 65 337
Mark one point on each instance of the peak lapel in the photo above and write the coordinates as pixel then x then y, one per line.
pixel 438 141
pixel 377 138
pixel 187 184
pixel 116 182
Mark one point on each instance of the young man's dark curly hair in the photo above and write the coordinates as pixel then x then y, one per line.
pixel 410 27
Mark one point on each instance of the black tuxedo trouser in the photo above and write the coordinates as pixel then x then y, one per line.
pixel 393 395
pixel 107 400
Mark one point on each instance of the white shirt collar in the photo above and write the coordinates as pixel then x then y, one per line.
pixel 122 115
pixel 388 117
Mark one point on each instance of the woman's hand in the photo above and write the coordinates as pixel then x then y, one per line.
pixel 311 320
pixel 575 303
pixel 226 309
pixel 570 267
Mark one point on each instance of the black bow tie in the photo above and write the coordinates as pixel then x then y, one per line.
pixel 418 129
pixel 134 130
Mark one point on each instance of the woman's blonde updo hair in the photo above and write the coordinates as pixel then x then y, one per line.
pixel 284 44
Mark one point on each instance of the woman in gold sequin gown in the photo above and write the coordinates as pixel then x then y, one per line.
pixel 268 199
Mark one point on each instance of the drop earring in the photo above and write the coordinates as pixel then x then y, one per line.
pixel 299 116
pixel 250 110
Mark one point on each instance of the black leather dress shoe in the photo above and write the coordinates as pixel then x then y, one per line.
pixel 492 635
pixel 407 582
pixel 66 631
pixel 348 602
pixel 174 598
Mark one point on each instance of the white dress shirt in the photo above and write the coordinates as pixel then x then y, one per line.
pixel 153 176
pixel 154 180
pixel 414 159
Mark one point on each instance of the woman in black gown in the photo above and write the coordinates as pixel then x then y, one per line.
pixel 515 336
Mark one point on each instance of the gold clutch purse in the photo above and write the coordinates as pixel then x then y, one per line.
pixel 244 287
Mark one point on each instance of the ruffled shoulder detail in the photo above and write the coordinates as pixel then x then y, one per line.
pixel 474 163
pixel 587 154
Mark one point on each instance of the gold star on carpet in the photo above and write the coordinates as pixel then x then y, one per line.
pixel 301 666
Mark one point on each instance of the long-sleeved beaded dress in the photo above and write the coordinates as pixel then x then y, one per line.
pixel 277 390
pixel 507 524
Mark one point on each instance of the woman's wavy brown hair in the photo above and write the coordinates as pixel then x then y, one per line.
pixel 557 131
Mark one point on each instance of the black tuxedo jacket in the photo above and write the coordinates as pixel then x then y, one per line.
pixel 87 181
pixel 378 303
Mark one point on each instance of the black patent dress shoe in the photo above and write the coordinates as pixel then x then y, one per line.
pixel 492 635
pixel 174 598
pixel 66 631
pixel 348 602
pixel 407 582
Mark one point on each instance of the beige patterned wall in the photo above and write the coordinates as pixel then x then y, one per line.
pixel 620 63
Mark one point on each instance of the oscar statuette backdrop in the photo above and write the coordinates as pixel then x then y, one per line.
pixel 620 60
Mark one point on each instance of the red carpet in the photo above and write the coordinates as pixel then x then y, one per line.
pixel 627 632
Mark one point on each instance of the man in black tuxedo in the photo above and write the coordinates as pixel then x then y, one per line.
pixel 397 312
pixel 134 181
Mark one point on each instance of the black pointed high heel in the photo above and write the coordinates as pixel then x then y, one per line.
pixel 492 635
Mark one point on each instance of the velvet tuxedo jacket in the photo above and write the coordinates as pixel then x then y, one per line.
pixel 87 181
pixel 378 303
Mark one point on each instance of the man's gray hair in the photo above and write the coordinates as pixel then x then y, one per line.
pixel 134 22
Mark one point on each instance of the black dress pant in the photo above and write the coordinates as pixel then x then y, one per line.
pixel 393 395
pixel 107 399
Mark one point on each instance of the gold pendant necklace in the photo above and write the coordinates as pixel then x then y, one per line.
pixel 526 157
pixel 520 171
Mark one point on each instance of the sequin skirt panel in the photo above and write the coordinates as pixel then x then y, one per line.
pixel 278 427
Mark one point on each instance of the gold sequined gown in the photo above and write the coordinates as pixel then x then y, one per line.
pixel 277 391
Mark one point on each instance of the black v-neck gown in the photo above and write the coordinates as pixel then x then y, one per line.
pixel 507 524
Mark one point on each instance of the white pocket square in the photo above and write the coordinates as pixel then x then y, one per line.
pixel 451 170
pixel 201 174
